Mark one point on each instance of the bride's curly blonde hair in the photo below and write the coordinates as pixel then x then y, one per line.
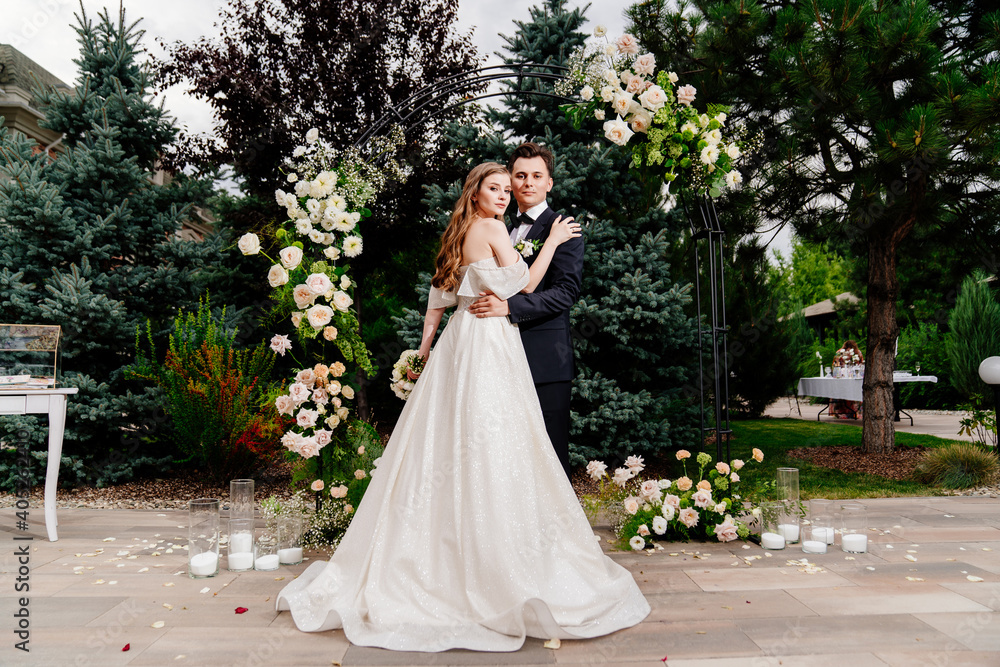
pixel 449 258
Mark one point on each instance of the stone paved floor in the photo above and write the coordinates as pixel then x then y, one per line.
pixel 909 602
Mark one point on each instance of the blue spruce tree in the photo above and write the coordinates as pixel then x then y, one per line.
pixel 90 243
pixel 634 331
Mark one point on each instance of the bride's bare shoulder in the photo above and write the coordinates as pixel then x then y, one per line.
pixel 487 227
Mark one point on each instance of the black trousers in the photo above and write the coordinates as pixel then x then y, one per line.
pixel 554 399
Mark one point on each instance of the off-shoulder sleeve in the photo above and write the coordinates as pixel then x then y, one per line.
pixel 504 281
pixel 438 298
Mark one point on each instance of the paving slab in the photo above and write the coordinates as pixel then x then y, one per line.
pixel 836 634
pixel 885 599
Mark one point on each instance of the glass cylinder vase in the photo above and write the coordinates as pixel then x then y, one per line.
pixel 203 538
pixel 854 528
pixel 290 540
pixel 266 551
pixel 788 485
pixel 771 537
pixel 241 499
pixel 240 555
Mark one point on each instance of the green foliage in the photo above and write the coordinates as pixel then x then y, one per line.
pixel 926 344
pixel 959 466
pixel 90 241
pixel 218 396
pixel 974 335
pixel 980 423
pixel 812 274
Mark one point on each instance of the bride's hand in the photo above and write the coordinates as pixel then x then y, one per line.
pixel 563 230
pixel 413 376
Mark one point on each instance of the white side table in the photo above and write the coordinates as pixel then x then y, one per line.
pixel 24 401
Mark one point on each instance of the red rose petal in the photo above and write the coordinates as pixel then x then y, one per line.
pixel 241 610
pixel 126 647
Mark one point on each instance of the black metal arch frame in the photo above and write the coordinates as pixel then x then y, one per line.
pixel 439 97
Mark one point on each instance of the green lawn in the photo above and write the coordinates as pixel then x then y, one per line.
pixel 775 437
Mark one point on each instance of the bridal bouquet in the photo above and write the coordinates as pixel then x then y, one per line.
pixel 400 383
pixel 648 110
pixel 705 505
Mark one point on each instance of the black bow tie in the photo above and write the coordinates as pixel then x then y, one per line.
pixel 524 219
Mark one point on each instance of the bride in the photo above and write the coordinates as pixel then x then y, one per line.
pixel 469 534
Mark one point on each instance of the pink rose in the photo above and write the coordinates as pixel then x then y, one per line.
pixel 285 405
pixel 330 333
pixel 683 454
pixel 722 467
pixel 281 344
pixel 672 501
pixel 634 84
pixel 349 508
pixel 308 448
pixel 758 455
pixel 596 469
pixel 726 531
pixel 688 517
pixel 306 377
pixel 737 464
pixel 705 485
pixel 306 418
pixel 644 65
pixel 319 283
pixel 635 464
pixel 317 486
pixel 631 505
pixel 734 478
pixel 320 397
pixel 653 98
pixel 339 491
pixel 322 437
pixel 359 474
pixel 622 475
pixel 686 94
pixel 291 441
pixel 650 491
pixel 684 483
pixel 702 499
pixel 627 45
pixel 298 393
pixel 643 530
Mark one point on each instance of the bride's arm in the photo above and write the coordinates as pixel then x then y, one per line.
pixel 432 319
pixel 560 232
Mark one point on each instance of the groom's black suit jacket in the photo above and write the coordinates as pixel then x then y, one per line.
pixel 543 316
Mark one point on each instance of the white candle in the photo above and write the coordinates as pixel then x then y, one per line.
pixel 789 531
pixel 290 556
pixel 269 562
pixel 823 533
pixel 204 564
pixel 241 561
pixel 240 542
pixel 854 543
pixel 772 541
pixel 814 546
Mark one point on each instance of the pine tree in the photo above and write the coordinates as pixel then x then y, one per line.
pixel 881 129
pixel 635 338
pixel 91 242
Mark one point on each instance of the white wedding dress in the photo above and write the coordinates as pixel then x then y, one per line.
pixel 469 535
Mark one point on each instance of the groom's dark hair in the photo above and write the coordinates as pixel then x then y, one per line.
pixel 529 150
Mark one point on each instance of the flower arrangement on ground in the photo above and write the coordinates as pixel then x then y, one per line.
pixel 313 291
pixel 648 110
pixel 704 505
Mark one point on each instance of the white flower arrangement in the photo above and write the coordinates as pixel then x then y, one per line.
pixel 527 248
pixel 400 383
pixel 649 111
pixel 316 403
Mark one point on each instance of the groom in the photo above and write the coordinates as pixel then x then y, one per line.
pixel 542 316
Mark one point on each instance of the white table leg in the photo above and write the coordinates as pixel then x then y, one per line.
pixel 57 422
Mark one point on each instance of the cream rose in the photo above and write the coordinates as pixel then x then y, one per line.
pixel 684 483
pixel 342 413
pixel 317 486
pixel 319 316
pixel 686 94
pixel 277 276
pixel 726 531
pixel 688 517
pixel 296 319
pixel 306 418
pixel 645 64
pixel 342 301
pixel 290 257
pixel 299 392
pixel 705 485
pixel 702 499
pixel 359 474
pixel 637 543
pixel 621 104
pixel 587 93
pixel 284 404
pixel 653 98
pixel 599 114
pixel 659 525
pixel 249 244
pixel 641 120
pixel 323 437
pixel 617 131
pixel 308 448
pixel 330 333
pixel 306 377
pixel 737 464
pixel 339 491
pixel 627 45
pixel 631 505
pixel 303 296
pixel 348 392
pixel 758 455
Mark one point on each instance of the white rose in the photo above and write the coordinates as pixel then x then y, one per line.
pixel 303 296
pixel 249 244
pixel 672 76
pixel 312 135
pixel 319 316
pixel 733 151
pixel 659 525
pixel 342 413
pixel 611 77
pixel 342 301
pixel 299 151
pixel 610 50
pixel 319 283
pixel 348 392
pixel 599 114
pixel 292 177
pixel 279 196
pixel 290 257
pixel 587 93
pixel 296 319
pixel 608 93
pixel 654 98
pixel 600 31
pixel 345 282
pixel 641 120
pixel 637 543
pixel 277 276
pixel 617 131
pixel 622 102
pixel 332 253
pixel 721 117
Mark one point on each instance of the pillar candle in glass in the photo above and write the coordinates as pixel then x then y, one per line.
pixel 290 540
pixel 815 535
pixel 203 538
pixel 241 499
pixel 266 551
pixel 770 516
pixel 854 528
pixel 240 556
pixel 788 485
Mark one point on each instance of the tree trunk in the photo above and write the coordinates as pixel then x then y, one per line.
pixel 877 430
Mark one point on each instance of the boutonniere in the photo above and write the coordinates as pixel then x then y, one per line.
pixel 527 248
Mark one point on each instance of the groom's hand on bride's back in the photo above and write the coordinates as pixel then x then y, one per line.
pixel 489 305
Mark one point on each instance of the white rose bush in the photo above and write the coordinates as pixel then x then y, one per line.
pixel 706 505
pixel 647 110
pixel 324 200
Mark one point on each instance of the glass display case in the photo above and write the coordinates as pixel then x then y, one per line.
pixel 29 355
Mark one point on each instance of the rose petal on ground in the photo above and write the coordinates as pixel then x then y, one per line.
pixel 157 624
pixel 974 578
pixel 205 590
pixel 168 607
pixel 553 643
pixel 126 647
pixel 241 610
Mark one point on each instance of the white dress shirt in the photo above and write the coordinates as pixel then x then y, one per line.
pixel 519 232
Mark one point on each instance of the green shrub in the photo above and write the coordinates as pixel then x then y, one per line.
pixel 926 344
pixel 958 466
pixel 975 334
